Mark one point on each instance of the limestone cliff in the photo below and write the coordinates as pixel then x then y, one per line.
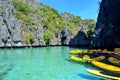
pixel 9 25
pixel 13 31
pixel 107 31
pixel 31 23
pixel 81 39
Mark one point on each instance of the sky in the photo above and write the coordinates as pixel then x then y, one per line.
pixel 83 8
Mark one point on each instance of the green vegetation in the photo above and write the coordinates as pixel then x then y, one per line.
pixel 90 23
pixel 22 10
pixel 47 36
pixel 90 32
pixel 73 22
pixel 21 6
pixel 29 38
pixel 3 8
pixel 50 19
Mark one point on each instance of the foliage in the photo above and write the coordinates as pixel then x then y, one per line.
pixel 73 22
pixel 32 0
pixel 90 32
pixel 21 6
pixel 50 19
pixel 3 8
pixel 22 11
pixel 47 36
pixel 89 23
pixel 29 38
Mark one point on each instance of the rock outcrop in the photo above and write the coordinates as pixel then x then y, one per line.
pixel 65 36
pixel 107 31
pixel 34 3
pixel 80 39
pixel 12 29
pixel 9 25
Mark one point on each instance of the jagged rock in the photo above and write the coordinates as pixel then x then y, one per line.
pixel 8 45
pixel 10 27
pixel 55 40
pixel 80 39
pixel 66 16
pixel 95 41
pixel 39 36
pixel 65 36
pixel 34 3
pixel 4 34
pixel 107 30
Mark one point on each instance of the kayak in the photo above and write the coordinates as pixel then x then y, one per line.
pixel 86 57
pixel 100 54
pixel 77 59
pixel 99 58
pixel 115 56
pixel 114 61
pixel 105 66
pixel 78 51
pixel 104 74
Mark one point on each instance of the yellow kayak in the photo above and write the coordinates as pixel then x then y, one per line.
pixel 99 58
pixel 104 74
pixel 86 57
pixel 77 59
pixel 78 51
pixel 105 66
pixel 114 61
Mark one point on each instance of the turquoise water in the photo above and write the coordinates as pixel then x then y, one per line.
pixel 44 63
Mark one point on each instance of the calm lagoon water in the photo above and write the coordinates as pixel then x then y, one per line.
pixel 44 63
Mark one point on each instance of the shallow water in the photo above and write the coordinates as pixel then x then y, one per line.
pixel 44 63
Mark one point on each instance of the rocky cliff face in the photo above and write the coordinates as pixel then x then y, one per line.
pixel 80 39
pixel 107 31
pixel 12 31
pixel 31 23
pixel 65 36
pixel 9 25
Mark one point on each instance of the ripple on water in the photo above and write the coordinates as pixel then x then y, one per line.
pixel 44 63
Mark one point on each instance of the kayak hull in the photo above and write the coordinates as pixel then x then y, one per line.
pixel 99 58
pixel 77 59
pixel 114 61
pixel 75 52
pixel 104 74
pixel 106 67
